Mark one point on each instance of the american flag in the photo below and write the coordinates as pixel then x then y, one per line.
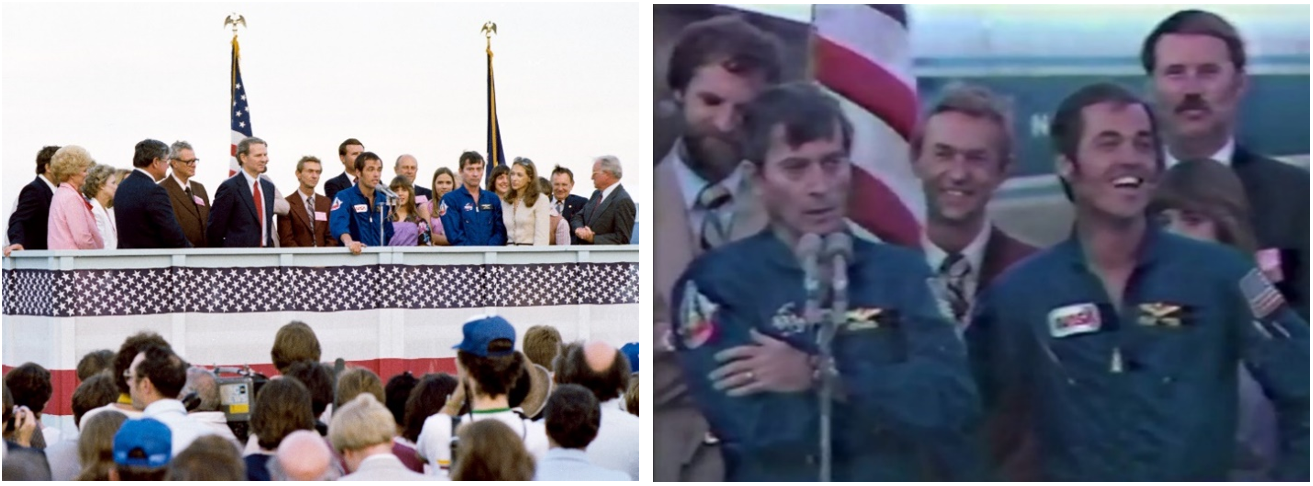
pixel 241 116
pixel 862 55
pixel 1263 298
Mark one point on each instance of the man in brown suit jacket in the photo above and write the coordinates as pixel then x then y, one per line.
pixel 191 204
pixel 299 227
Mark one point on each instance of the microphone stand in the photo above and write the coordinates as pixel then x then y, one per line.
pixel 837 248
pixel 390 203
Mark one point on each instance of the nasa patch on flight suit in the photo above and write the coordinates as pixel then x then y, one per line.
pixel 1074 319
pixel 788 321
pixel 1161 314
pixel 699 323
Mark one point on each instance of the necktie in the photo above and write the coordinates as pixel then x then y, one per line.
pixel 715 231
pixel 188 191
pixel 259 209
pixel 560 208
pixel 310 211
pixel 953 272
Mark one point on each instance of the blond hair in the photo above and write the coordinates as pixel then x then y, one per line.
pixel 68 161
pixel 361 423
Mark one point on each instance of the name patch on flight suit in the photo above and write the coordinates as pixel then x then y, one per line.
pixel 1161 314
pixel 1074 319
pixel 361 208
pixel 699 313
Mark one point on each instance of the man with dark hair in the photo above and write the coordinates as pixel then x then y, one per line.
pixel 142 209
pixel 142 450
pixel 29 385
pixel 603 370
pixel 207 459
pixel 471 215
pixel 30 221
pixel 354 218
pixel 306 224
pixel 397 391
pixel 899 372
pixel 566 203
pixel 541 345
pixel 488 367
pixel 572 419
pixel 318 379
pixel 97 391
pixel 1134 329
pixel 156 379
pixel 347 152
pixel 123 368
pixel 1196 64
pixel 243 212
pixel 295 341
pixel 95 362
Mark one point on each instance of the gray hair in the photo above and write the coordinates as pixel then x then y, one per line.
pixel 97 176
pixel 611 164
pixel 244 146
pixel 178 146
pixel 202 381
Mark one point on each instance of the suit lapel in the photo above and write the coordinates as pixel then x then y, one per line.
pixel 606 202
pixel 676 246
pixel 176 192
pixel 245 193
pixel 298 209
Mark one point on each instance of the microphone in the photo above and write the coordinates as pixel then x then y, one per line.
pixel 808 253
pixel 386 192
pixel 837 252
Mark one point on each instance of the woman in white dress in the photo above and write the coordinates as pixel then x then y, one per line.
pixel 525 210
pixel 102 182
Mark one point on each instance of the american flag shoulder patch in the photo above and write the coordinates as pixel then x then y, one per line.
pixel 1263 297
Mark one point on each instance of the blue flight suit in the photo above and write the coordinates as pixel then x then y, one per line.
pixel 467 223
pixel 353 214
pixel 903 368
pixel 1147 391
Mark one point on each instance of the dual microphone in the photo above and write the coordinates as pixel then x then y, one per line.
pixel 819 257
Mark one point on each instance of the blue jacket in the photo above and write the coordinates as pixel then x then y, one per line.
pixel 353 214
pixel 470 224
pixel 1144 391
pixel 902 366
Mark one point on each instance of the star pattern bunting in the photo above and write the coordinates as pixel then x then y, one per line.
pixel 121 292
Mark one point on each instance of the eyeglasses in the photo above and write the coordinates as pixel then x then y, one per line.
pixel 189 162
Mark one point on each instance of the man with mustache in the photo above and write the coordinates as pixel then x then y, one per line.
pixel 1196 62
pixel 748 349
pixel 1124 339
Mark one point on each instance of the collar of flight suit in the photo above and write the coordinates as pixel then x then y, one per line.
pixel 779 254
pixel 1150 250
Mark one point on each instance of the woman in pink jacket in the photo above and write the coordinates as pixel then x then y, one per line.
pixel 72 226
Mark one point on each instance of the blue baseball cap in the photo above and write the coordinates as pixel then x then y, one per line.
pixel 481 331
pixel 148 435
pixel 630 351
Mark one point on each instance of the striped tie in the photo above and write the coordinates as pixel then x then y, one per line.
pixel 953 272
pixel 712 199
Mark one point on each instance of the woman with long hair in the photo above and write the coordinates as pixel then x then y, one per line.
pixel 1204 199
pixel 444 180
pixel 408 221
pixel 102 182
pixel 96 445
pixel 488 450
pixel 500 181
pixel 525 209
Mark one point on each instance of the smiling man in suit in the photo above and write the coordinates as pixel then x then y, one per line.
pixel 30 221
pixel 191 203
pixel 566 204
pixel 307 223
pixel 142 208
pixel 347 152
pixel 608 218
pixel 242 216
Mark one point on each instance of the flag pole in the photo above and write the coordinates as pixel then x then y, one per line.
pixel 234 19
pixel 489 29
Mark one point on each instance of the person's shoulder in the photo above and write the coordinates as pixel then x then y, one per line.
pixel 722 260
pixel 1203 258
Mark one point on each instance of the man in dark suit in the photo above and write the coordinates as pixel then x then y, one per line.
pixel 566 204
pixel 142 208
pixel 1196 61
pixel 408 166
pixel 242 217
pixel 608 218
pixel 347 151
pixel 961 152
pixel 28 224
pixel 306 224
pixel 191 203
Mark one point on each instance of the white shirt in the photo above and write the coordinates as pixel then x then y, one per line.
pixel 148 174
pixel 1223 155
pixel 572 465
pixel 250 182
pixel 105 223
pixel 173 414
pixel 63 459
pixel 616 445
pixel 218 423
pixel 974 254
pixel 383 467
pixel 691 186
pixel 183 185
pixel 47 181
pixel 130 413
pixel 434 444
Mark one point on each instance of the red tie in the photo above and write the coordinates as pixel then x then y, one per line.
pixel 259 209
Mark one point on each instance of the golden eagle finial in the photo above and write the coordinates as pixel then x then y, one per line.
pixel 234 20
pixel 489 29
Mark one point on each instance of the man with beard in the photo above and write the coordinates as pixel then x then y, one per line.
pixel 717 67
pixel 1124 340
pixel 1196 62
pixel 749 352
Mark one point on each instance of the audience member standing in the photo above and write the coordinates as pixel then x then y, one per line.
pixel 490 450
pixel 29 223
pixel 96 445
pixel 206 411
pixel 243 212
pixel 71 226
pixel 362 431
pixel 572 418
pixel 282 407
pixel 603 370
pixel 143 211
pixel 608 218
pixel 142 451
pixel 157 378
pixel 30 388
pixel 303 456
pixel 102 182
pixel 191 203
pixel 123 368
pixel 525 210
pixel 207 459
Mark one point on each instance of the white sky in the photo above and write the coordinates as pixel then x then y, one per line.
pixel 402 78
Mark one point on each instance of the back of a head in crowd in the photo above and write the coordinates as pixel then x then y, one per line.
pixel 128 352
pixel 147 151
pixel 490 451
pixel 163 370
pixel 23 464
pixel 208 458
pixel 361 423
pixel 143 448
pixel 318 379
pixel 397 391
pixel 427 399
pixel 205 386
pixel 95 362
pixel 487 354
pixel 43 157
pixel 530 390
pixel 354 382
pixel 295 341
pixel 631 396
pixel 96 444
pixel 542 344
pixel 303 456
pixel 572 417
pixel 97 391
pixel 282 407
pixel 596 366
pixel 29 386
